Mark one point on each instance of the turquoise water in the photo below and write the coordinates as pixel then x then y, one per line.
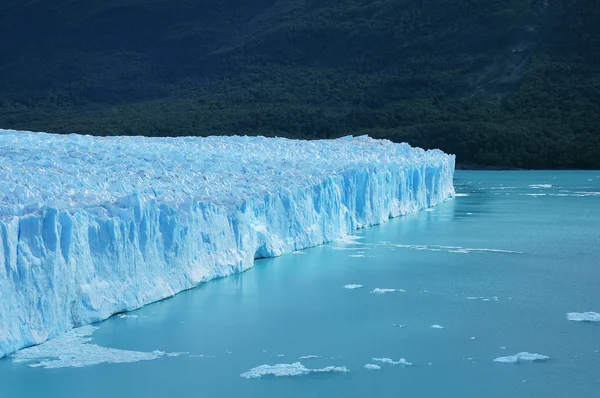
pixel 546 265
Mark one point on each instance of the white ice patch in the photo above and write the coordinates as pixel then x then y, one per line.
pixel 298 252
pixel 124 316
pixel 461 194
pixel 583 316
pixel 538 186
pixel 522 357
pixel 356 255
pixel 352 286
pixel 372 366
pixel 309 357
pixel 436 326
pixel 284 369
pixel 401 361
pixel 349 240
pixel 379 290
pixel 73 349
pixel 481 298
pixel 450 249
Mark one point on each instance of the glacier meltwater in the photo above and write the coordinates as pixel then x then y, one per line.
pixel 92 226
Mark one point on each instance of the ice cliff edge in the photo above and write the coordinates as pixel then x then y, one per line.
pixel 91 226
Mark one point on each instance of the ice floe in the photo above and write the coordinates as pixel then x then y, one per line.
pixel 449 249
pixel 379 290
pixel 353 286
pixel 309 357
pixel 401 361
pixel 372 366
pixel 583 316
pixel 73 349
pixel 284 369
pixel 538 186
pixel 522 357
pixel 436 326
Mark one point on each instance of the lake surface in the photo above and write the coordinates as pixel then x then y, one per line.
pixel 497 268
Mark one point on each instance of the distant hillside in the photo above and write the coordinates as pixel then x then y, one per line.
pixel 504 83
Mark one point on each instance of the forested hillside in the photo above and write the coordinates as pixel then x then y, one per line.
pixel 506 83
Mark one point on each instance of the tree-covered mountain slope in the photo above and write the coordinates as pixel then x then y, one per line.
pixel 509 83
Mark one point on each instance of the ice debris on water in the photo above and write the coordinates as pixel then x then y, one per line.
pixel 583 316
pixel 436 326
pixel 352 286
pixel 74 349
pixel 401 361
pixel 309 357
pixel 372 366
pixel 114 223
pixel 284 369
pixel 378 290
pixel 522 357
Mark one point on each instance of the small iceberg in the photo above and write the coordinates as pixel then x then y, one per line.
pixel 522 357
pixel 401 361
pixel 309 357
pixel 379 290
pixel 436 326
pixel 285 369
pixel 352 286
pixel 372 366
pixel 583 316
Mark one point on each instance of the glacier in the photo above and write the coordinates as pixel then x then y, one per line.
pixel 94 226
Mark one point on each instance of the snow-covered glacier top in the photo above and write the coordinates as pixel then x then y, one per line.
pixel 78 171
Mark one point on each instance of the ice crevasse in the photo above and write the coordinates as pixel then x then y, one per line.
pixel 92 226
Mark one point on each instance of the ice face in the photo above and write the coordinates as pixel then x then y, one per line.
pixel 94 226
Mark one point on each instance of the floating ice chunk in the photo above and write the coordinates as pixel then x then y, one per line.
pixel 309 357
pixel 280 355
pixel 352 286
pixel 436 326
pixel 472 337
pixel 298 252
pixel 401 361
pixel 461 194
pixel 284 369
pixel 379 290
pixel 396 325
pixel 356 255
pixel 123 316
pixel 451 249
pixel 175 354
pixel 583 316
pixel 73 349
pixel 372 366
pixel 538 186
pixel 349 240
pixel 522 357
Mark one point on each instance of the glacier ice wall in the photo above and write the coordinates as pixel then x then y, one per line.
pixel 91 226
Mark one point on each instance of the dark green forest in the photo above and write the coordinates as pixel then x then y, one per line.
pixel 500 83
